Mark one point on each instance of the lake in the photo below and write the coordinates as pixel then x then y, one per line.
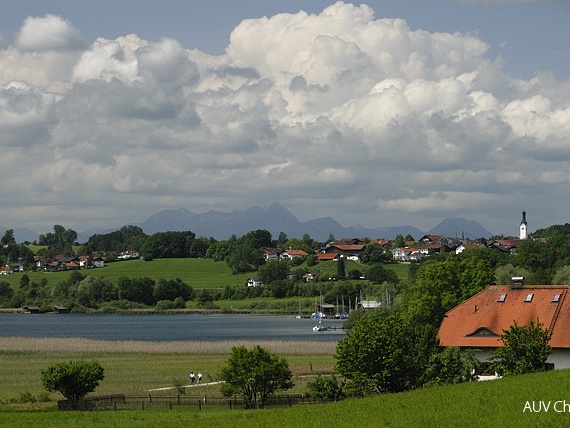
pixel 162 327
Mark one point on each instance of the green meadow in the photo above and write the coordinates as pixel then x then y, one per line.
pixel 507 402
pixel 198 273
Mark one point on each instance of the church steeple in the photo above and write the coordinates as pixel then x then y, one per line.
pixel 523 231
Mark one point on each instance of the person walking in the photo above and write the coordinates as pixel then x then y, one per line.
pixel 192 377
pixel 199 377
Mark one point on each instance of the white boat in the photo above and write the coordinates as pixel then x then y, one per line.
pixel 320 326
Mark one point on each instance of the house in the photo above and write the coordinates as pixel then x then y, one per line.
pixel 406 254
pixel 465 245
pixel 437 239
pixel 270 253
pixel 6 270
pixel 478 322
pixel 292 254
pixel 254 282
pixel 60 310
pixel 31 309
pixel 309 276
pixel 349 251
pixel 91 261
pixel 350 241
pixel 128 255
pixel 97 261
pixel 323 257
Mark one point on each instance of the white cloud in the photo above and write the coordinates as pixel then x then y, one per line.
pixel 324 112
pixel 49 32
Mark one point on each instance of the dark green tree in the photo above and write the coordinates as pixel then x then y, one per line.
pixel 450 366
pixel 171 289
pixel 374 253
pixel 525 349
pixel 325 388
pixel 273 270
pixel 443 282
pixel 378 274
pixel 74 379
pixel 60 241
pixel 384 352
pixel 340 269
pixel 136 290
pixel 254 374
pixel 8 237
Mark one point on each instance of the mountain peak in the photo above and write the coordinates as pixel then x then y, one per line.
pixel 459 227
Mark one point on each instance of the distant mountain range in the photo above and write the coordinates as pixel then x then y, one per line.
pixel 275 219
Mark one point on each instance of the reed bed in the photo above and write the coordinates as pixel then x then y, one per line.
pixel 82 345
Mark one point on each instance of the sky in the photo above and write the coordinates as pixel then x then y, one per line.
pixel 384 113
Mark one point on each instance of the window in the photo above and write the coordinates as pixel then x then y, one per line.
pixel 556 297
pixel 502 297
pixel 529 297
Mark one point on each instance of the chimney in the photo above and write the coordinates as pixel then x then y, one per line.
pixel 517 281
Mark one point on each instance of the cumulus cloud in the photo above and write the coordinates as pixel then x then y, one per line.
pixel 50 32
pixel 339 113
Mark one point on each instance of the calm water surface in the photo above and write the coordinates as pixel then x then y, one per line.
pixel 160 327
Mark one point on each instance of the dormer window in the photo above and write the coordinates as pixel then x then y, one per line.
pixel 529 297
pixel 556 298
pixel 502 297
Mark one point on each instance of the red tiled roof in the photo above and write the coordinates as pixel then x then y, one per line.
pixel 327 256
pixel 349 247
pixel 297 252
pixel 480 320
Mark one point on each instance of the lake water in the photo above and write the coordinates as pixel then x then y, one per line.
pixel 161 327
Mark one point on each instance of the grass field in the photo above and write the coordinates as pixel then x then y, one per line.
pixel 198 273
pixel 128 367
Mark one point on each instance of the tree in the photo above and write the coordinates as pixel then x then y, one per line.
pixel 273 270
pixel 340 269
pixel 8 237
pixel 325 388
pixel 525 349
pixel 379 274
pixel 451 366
pixel 74 379
pixel 61 240
pixel 255 374
pixel 383 352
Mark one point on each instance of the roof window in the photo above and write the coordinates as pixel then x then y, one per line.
pixel 529 297
pixel 502 297
pixel 556 297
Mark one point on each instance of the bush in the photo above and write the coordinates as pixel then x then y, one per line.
pixel 74 379
pixel 325 388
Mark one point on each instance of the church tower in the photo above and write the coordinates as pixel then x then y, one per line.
pixel 523 230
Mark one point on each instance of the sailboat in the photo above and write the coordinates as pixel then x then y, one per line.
pixel 320 326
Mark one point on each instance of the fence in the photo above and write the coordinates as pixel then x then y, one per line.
pixel 142 402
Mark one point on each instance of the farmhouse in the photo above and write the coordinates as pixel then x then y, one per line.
pixel 478 322
pixel 292 254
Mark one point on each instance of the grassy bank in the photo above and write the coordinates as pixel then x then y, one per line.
pixel 502 402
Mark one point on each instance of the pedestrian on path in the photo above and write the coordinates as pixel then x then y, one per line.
pixel 199 377
pixel 192 377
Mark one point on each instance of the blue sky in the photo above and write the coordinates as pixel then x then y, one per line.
pixel 381 114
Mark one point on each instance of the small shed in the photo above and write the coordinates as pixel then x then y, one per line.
pixel 31 309
pixel 327 309
pixel 60 310
pixel 368 304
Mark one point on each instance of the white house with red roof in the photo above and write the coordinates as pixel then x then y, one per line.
pixel 479 322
